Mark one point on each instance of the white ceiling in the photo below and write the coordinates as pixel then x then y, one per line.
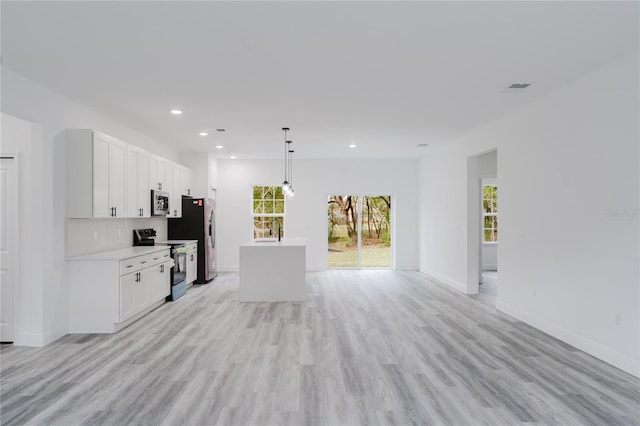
pixel 383 75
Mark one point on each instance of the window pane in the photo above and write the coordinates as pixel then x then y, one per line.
pixel 487 206
pixel 279 207
pixel 257 207
pixel 486 192
pixel 495 235
pixel 268 206
pixel 257 192
pixel 487 235
pixel 279 195
pixel 268 192
pixel 263 224
pixel 488 222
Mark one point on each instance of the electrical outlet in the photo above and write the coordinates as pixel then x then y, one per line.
pixel 95 235
pixel 618 319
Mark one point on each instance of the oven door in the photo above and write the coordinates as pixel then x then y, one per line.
pixel 179 270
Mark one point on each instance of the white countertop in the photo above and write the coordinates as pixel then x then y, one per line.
pixel 286 242
pixel 121 254
pixel 177 242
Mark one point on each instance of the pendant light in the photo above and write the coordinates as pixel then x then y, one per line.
pixel 291 191
pixel 287 184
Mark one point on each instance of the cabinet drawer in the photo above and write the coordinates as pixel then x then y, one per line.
pixel 140 262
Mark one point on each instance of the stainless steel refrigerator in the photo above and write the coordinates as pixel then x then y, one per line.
pixel 198 222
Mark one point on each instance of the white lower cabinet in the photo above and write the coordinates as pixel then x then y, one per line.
pixel 109 291
pixel 192 262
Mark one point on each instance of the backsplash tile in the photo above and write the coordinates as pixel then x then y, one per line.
pixel 85 236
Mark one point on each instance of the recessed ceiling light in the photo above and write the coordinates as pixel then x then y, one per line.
pixel 353 145
pixel 233 157
pixel 221 130
pixel 176 112
pixel 203 134
pixel 519 85
pixel 219 146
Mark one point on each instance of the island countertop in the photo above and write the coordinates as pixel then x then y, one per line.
pixel 285 242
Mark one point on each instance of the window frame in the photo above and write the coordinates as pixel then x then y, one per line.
pixel 254 215
pixel 494 214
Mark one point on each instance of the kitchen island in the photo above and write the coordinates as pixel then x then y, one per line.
pixel 273 271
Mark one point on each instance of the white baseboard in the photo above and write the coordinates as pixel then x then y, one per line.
pixel 457 285
pixel 621 361
pixel 407 267
pixel 228 268
pixel 40 339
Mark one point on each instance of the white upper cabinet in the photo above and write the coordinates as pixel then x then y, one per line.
pixel 138 189
pixel 172 174
pixel 109 178
pixel 96 184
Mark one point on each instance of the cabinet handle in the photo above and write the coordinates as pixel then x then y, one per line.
pixel 143 262
pixel 115 211
pixel 156 258
pixel 111 214
pixel 188 192
pixel 162 269
pixel 175 212
pixel 192 257
pixel 160 186
pixel 129 266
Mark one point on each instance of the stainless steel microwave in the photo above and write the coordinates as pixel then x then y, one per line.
pixel 159 203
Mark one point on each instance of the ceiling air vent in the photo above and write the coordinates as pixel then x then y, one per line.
pixel 519 85
pixel 221 130
pixel 422 145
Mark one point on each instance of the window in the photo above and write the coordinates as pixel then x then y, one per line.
pixel 490 213
pixel 268 206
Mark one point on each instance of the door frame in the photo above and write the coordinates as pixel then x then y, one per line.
pixel 13 219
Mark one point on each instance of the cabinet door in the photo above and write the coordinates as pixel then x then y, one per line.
pixel 128 285
pixel 153 172
pixel 141 290
pixel 133 169
pixel 117 171
pixel 160 282
pixel 192 267
pixel 101 206
pixel 162 181
pixel 176 192
pixel 186 181
pixel 144 189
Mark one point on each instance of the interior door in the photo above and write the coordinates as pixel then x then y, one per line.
pixel 8 244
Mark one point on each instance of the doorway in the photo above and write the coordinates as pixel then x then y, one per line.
pixel 359 231
pixel 482 205
pixel 8 245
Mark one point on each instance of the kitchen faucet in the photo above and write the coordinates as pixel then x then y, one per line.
pixel 279 228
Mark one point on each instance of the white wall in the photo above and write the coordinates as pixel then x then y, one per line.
pixel 570 269
pixel 307 211
pixel 43 185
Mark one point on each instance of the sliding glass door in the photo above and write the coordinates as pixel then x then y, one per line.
pixel 359 231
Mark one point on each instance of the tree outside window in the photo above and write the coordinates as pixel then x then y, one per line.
pixel 268 206
pixel 490 213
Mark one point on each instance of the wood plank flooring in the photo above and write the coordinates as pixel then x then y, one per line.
pixel 366 348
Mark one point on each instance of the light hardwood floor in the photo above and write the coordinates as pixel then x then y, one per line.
pixel 366 348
